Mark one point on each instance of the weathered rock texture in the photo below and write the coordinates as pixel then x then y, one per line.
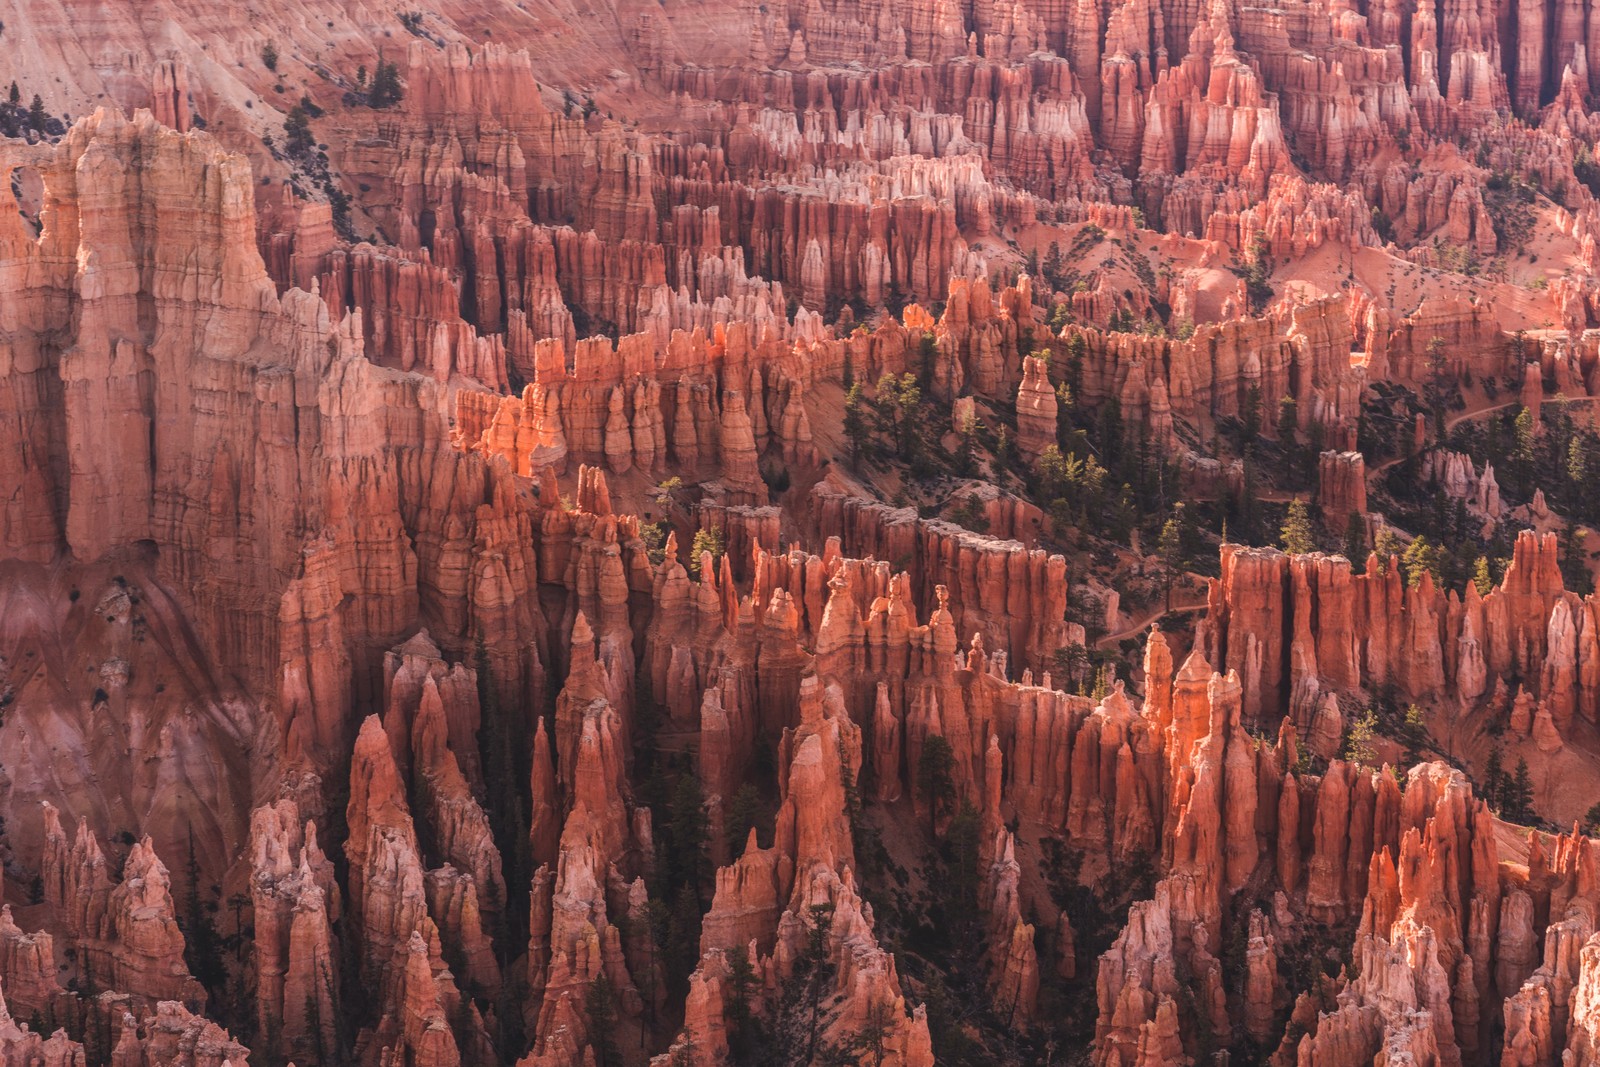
pixel 343 657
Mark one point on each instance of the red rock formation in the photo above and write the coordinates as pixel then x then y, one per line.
pixel 1036 410
pixel 318 415
pixel 295 901
pixel 1341 487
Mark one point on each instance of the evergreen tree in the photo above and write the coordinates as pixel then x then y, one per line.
pixel 386 89
pixel 1247 507
pixel 1005 455
pixel 1574 560
pixel 1355 539
pixel 896 406
pixel 1108 432
pixel 15 95
pixel 744 814
pixel 1288 428
pixel 675 930
pixel 1386 545
pixel 1421 558
pixel 927 360
pixel 706 540
pixel 813 960
pixel 855 424
pixel 269 56
pixel 1591 820
pixel 600 1005
pixel 1297 534
pixel 1518 804
pixel 1358 746
pixel 298 140
pixel 1073 378
pixel 1052 469
pixel 1523 432
pixel 38 117
pixel 907 398
pixel 1066 410
pixel 745 1036
pixel 1414 732
pixel 1250 415
pixel 1053 266
pixel 201 941
pixel 936 783
pixel 1494 778
pixel 689 828
pixel 1170 548
pixel 1481 578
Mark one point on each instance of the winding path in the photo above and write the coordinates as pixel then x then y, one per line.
pixel 1457 419
pixel 1143 624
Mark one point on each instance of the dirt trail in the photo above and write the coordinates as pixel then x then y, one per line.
pixel 1143 624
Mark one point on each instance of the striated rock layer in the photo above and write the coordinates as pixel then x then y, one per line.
pixel 369 698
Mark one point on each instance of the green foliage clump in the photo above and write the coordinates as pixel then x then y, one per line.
pixel 706 540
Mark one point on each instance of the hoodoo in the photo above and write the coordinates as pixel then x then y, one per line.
pixel 712 535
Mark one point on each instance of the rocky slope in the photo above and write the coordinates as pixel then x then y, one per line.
pixel 630 534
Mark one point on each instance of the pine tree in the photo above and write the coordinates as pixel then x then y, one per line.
pixel 1574 560
pixel 936 782
pixel 814 957
pixel 1481 577
pixel 1358 746
pixel 1494 778
pixel 1523 430
pixel 744 814
pixel 1250 415
pixel 1005 455
pixel 1386 545
pixel 386 89
pixel 1519 794
pixel 1297 534
pixel 1248 509
pixel 705 540
pixel 1355 539
pixel 298 140
pixel 269 56
pixel 745 1035
pixel 1288 429
pixel 1053 266
pixel 1414 732
pixel 1170 549
pixel 1103 677
pixel 38 117
pixel 927 360
pixel 1052 469
pixel 600 1005
pixel 201 942
pixel 1420 560
pixel 1288 418
pixel 689 832
pixel 906 397
pixel 15 95
pixel 856 430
